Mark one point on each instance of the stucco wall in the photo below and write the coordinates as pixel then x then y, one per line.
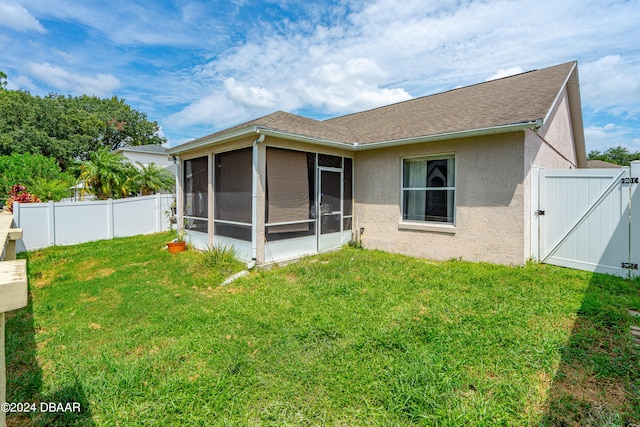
pixel 558 147
pixel 146 158
pixel 489 222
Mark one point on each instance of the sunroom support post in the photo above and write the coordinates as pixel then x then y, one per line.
pixel 255 184
pixel 211 226
pixel 260 201
pixel 179 164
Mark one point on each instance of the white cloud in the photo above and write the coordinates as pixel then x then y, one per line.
pixel 215 110
pixel 144 22
pixel 610 135
pixel 235 61
pixel 21 82
pixel 251 97
pixel 14 15
pixel 611 84
pixel 65 81
pixel 505 73
pixel 347 87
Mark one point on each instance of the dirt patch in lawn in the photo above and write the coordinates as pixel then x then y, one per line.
pixel 91 270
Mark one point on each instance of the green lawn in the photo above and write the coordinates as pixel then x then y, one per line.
pixel 142 337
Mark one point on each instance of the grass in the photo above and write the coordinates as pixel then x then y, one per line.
pixel 356 337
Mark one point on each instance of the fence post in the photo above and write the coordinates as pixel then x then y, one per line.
pixel 110 225
pixel 634 227
pixel 158 212
pixel 51 210
pixel 16 214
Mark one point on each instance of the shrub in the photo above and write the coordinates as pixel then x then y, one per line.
pixel 219 256
pixel 19 194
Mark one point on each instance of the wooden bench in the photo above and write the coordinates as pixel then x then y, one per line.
pixel 13 289
pixel 13 285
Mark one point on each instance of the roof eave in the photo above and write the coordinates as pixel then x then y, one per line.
pixel 492 130
pixel 206 141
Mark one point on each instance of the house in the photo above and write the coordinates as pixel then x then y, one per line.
pixel 441 176
pixel 147 154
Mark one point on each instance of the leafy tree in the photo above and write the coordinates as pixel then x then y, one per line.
pixel 27 170
pixel 106 174
pixel 69 128
pixel 55 190
pixel 152 178
pixel 618 155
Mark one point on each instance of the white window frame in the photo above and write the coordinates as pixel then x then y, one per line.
pixel 426 158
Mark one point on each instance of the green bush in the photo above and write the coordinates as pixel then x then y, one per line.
pixel 41 174
pixel 219 256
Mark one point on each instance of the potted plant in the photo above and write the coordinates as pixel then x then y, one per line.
pixel 179 244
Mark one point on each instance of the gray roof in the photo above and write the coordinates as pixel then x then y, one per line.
pixel 149 148
pixel 522 98
pixel 525 98
pixel 601 164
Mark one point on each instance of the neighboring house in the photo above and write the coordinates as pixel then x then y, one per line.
pixel 146 154
pixel 143 154
pixel 441 176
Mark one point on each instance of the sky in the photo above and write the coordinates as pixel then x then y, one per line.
pixel 197 67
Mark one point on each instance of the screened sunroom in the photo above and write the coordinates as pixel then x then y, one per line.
pixel 270 203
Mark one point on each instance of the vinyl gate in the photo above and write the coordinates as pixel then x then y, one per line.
pixel 587 219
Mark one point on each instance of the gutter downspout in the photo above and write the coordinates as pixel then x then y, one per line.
pixel 254 197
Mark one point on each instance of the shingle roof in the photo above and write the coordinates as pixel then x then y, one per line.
pixel 522 98
pixel 293 124
pixel 149 148
pixel 601 164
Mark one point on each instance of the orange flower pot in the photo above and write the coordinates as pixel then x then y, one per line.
pixel 175 247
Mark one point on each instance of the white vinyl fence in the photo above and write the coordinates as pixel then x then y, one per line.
pixel 588 219
pixel 69 223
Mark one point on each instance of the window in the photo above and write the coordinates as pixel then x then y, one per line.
pixel 428 189
pixel 232 207
pixel 290 195
pixel 196 206
pixel 347 194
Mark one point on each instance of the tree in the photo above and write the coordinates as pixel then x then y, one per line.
pixel 55 190
pixel 69 128
pixel 618 155
pixel 105 174
pixel 28 170
pixel 152 178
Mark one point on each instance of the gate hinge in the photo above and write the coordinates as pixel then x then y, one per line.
pixel 629 266
pixel 631 180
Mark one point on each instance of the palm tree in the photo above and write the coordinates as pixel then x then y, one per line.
pixel 105 174
pixel 152 178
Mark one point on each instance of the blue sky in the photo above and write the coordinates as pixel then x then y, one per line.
pixel 198 67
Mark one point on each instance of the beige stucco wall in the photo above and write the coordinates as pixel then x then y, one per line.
pixel 556 136
pixel 147 158
pixel 489 223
